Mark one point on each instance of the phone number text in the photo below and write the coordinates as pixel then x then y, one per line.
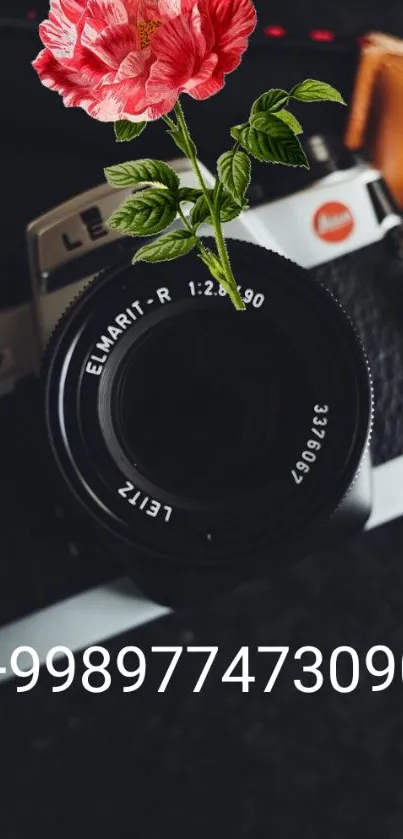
pixel 342 670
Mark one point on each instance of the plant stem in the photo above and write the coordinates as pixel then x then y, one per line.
pixel 203 251
pixel 232 289
pixel 185 221
pixel 201 248
pixel 169 122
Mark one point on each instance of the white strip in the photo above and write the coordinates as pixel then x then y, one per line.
pixel 387 481
pixel 77 623
pixel 110 610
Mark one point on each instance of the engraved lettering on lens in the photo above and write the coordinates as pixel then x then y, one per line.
pixel 163 295
pixel 141 501
pixel 333 222
pixel 313 446
pixel 214 289
pixel 114 331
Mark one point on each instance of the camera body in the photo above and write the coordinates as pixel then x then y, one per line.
pixel 343 208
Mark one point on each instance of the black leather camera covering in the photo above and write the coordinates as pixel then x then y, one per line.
pixel 369 284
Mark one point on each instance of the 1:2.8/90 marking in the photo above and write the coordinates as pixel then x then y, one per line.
pixel 213 289
pixel 314 445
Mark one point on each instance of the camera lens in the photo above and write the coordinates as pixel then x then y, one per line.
pixel 218 428
pixel 202 440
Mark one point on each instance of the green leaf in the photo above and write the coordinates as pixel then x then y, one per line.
pixel 145 214
pixel 141 173
pixel 237 130
pixel 272 101
pixel 125 130
pixel 186 193
pixel 270 124
pixel 183 144
pixel 290 120
pixel 230 209
pixel 313 91
pixel 166 248
pixel 269 139
pixel 201 212
pixel 234 170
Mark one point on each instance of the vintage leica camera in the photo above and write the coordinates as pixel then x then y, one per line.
pixel 192 473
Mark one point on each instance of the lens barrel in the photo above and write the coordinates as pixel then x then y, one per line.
pixel 205 445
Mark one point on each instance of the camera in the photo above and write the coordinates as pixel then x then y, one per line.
pixel 195 446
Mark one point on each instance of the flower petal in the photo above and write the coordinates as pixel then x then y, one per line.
pixel 58 33
pixel 111 12
pixel 204 74
pixel 92 69
pixel 178 55
pixel 113 44
pixel 122 101
pixel 208 88
pixel 72 9
pixel 66 81
pixel 134 65
pixel 92 30
pixel 206 24
pixel 233 22
pixel 117 98
pixel 151 112
pixel 168 9
pixel 144 10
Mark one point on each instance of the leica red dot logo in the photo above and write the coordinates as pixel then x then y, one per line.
pixel 333 222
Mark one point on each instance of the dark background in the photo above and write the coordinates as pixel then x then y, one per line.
pixel 218 763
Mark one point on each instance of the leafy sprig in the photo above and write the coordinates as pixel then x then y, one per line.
pixel 271 135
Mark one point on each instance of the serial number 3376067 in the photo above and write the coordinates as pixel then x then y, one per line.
pixel 314 444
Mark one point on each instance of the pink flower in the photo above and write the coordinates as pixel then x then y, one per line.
pixel 130 59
